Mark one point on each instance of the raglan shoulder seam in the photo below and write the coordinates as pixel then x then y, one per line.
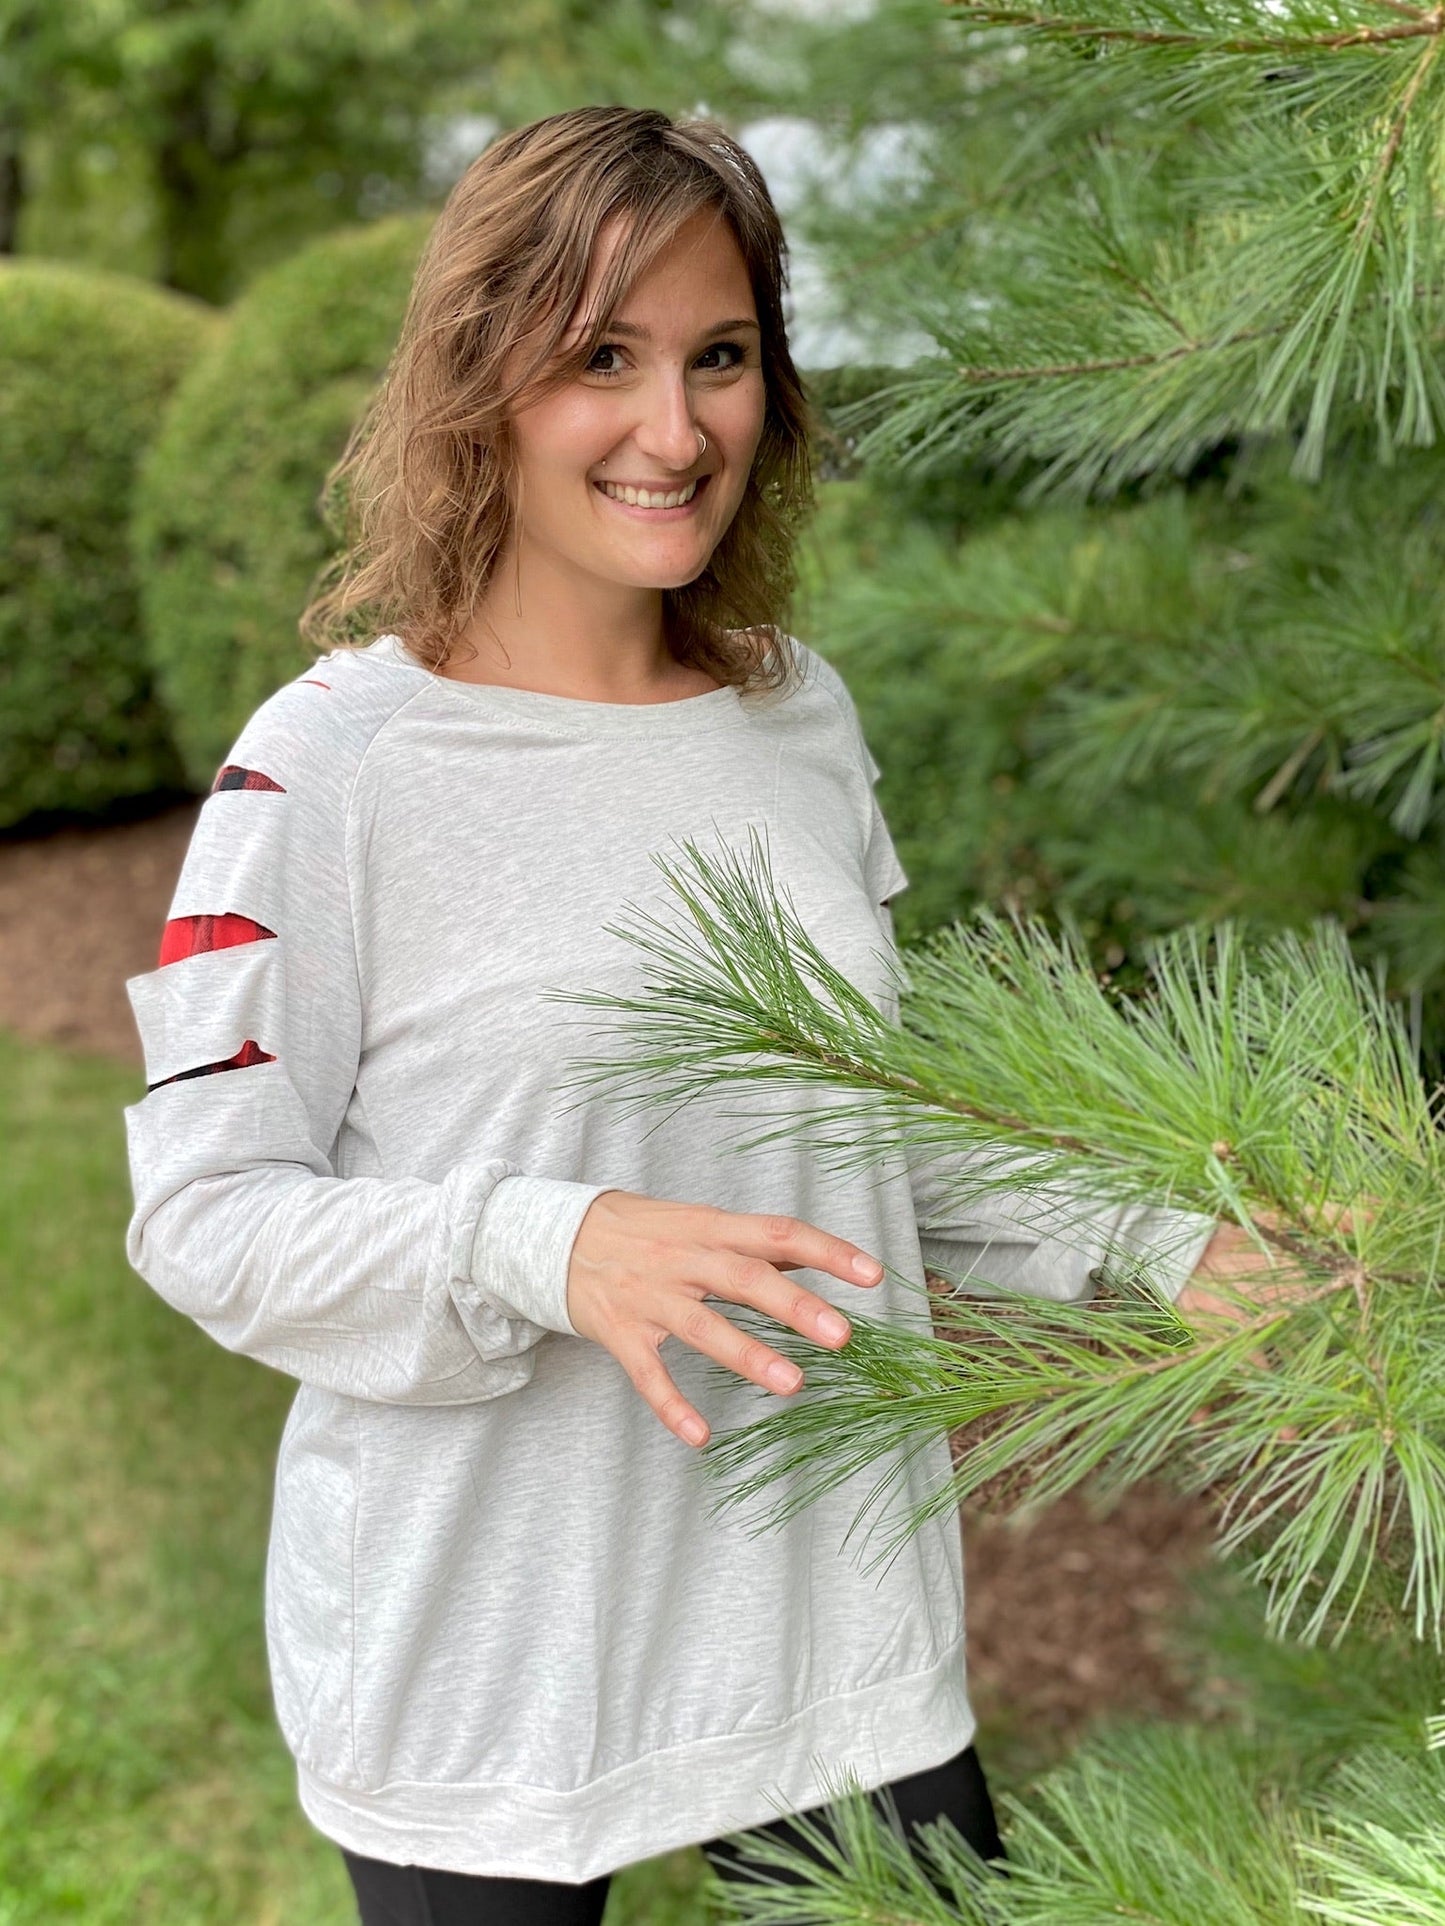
pixel 831 678
pixel 408 696
pixel 361 717
pixel 383 723
pixel 350 734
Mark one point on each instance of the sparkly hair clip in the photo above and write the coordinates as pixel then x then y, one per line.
pixel 740 165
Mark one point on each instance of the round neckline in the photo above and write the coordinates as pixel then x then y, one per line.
pixel 576 714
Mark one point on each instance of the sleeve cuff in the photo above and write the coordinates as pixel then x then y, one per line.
pixel 1170 1242
pixel 995 1265
pixel 1063 1266
pixel 523 1246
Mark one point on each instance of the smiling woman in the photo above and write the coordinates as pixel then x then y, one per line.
pixel 596 321
pixel 512 1649
pixel 672 403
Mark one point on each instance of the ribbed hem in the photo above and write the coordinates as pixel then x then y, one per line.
pixel 523 1246
pixel 679 1797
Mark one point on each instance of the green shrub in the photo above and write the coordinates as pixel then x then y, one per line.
pixel 1219 702
pixel 846 401
pixel 227 533
pixel 87 360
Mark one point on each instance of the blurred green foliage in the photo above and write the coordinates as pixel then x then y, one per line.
pixel 88 361
pixel 228 532
pixel 200 144
pixel 1220 701
pixel 226 133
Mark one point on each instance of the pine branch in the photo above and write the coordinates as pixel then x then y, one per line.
pixel 1276 1089
pixel 852 1865
pixel 1388 152
pixel 1381 1856
pixel 986 377
pixel 1055 26
pixel 1282 271
pixel 1164 1827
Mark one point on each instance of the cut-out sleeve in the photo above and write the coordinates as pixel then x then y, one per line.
pixel 1050 1242
pixel 398 1289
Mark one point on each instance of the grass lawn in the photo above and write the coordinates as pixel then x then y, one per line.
pixel 143 1781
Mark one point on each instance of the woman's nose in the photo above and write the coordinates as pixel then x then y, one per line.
pixel 666 430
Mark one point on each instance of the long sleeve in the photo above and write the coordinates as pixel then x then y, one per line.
pixel 398 1289
pixel 1049 1243
pixel 1003 1238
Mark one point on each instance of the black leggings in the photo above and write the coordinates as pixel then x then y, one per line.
pixel 390 1895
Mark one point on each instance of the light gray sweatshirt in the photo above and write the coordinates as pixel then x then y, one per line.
pixel 507 1632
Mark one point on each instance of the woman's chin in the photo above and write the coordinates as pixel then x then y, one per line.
pixel 661 574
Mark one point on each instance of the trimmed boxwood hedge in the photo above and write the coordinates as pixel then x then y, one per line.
pixel 227 533
pixel 87 361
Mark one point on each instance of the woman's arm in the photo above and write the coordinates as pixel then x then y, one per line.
pixel 1049 1242
pixel 390 1288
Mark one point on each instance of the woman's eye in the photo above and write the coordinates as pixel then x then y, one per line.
pixel 732 348
pixel 607 347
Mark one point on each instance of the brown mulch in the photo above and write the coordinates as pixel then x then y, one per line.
pixel 1068 1618
pixel 82 909
pixel 1071 1617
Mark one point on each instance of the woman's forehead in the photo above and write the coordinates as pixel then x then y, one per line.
pixel 703 247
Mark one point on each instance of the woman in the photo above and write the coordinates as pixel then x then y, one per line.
pixel 511 1647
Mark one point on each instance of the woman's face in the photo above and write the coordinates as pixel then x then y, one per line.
pixel 683 355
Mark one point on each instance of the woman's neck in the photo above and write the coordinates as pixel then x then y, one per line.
pixel 598 642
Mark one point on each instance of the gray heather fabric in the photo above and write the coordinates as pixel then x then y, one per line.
pixel 506 1633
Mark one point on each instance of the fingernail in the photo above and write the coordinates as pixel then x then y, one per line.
pixel 786 1377
pixel 830 1325
pixel 868 1267
pixel 693 1429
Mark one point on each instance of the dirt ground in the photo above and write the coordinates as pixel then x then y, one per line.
pixel 1068 1619
pixel 81 909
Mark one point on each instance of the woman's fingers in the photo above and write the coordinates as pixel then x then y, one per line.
pixel 715 1337
pixel 789 1243
pixel 719 1338
pixel 756 1282
pixel 654 1383
pixel 640 1268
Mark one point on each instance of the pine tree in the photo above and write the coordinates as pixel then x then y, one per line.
pixel 1179 266
pixel 1153 529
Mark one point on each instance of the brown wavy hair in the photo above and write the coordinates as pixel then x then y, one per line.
pixel 422 499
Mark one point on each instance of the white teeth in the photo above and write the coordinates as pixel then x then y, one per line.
pixel 645 498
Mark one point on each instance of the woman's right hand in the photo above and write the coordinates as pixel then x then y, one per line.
pixel 641 1267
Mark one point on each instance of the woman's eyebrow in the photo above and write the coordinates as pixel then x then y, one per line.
pixel 718 327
